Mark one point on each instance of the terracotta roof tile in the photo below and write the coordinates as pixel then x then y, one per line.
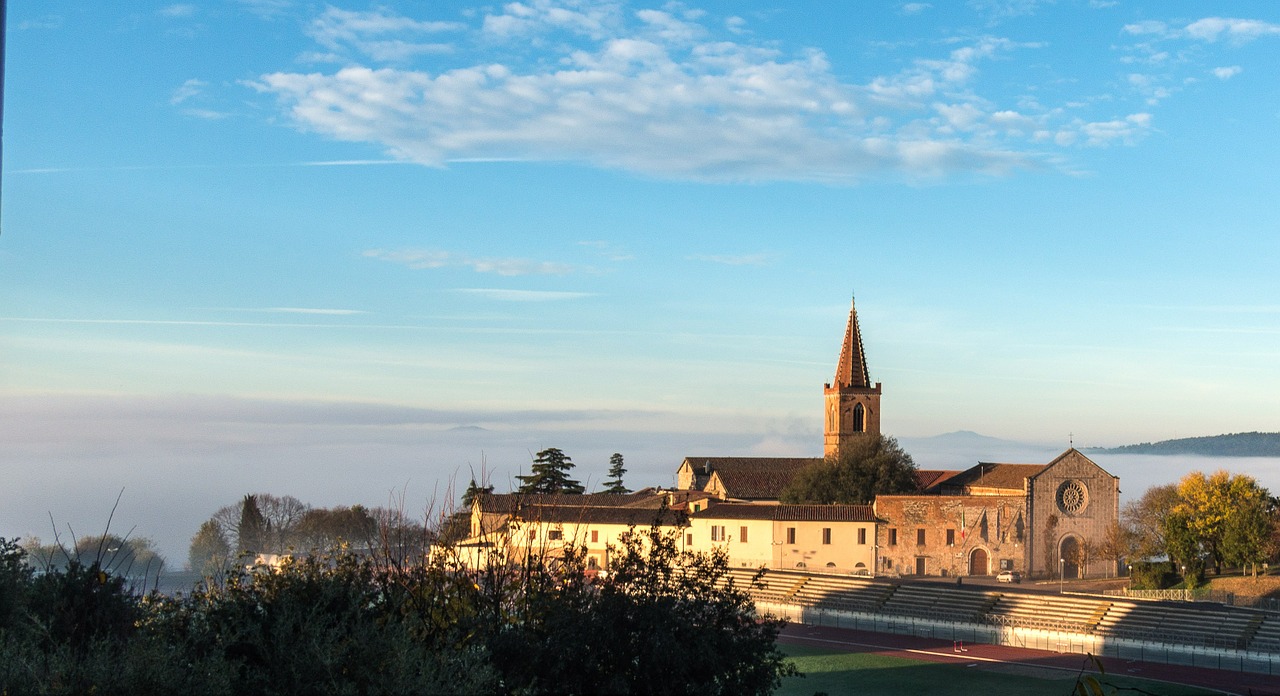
pixel 788 513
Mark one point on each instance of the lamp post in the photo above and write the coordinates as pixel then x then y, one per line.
pixel 1062 567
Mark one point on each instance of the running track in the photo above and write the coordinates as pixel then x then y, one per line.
pixel 934 650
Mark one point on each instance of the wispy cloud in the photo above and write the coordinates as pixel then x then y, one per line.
pixel 734 259
pixel 504 295
pixel 313 310
pixel 429 259
pixel 378 34
pixel 1227 72
pixel 914 8
pixel 608 250
pixel 177 10
pixel 1209 29
pixel 190 88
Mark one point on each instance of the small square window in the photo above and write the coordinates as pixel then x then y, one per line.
pixel 555 535
pixel 893 537
pixel 595 536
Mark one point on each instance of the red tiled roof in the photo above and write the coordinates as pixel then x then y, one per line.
pixel 753 477
pixel 1010 477
pixel 636 516
pixel 789 513
pixel 927 478
pixel 508 502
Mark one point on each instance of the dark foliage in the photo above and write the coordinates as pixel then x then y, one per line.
pixel 863 469
pixel 550 474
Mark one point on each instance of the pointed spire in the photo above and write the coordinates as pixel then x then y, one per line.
pixel 851 371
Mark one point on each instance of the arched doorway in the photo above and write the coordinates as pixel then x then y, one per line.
pixel 978 563
pixel 1069 552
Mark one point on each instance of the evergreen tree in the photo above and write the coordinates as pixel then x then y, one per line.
pixel 614 484
pixel 253 526
pixel 474 491
pixel 550 474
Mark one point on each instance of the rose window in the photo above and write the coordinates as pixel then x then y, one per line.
pixel 1072 497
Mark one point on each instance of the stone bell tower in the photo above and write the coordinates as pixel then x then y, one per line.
pixel 852 404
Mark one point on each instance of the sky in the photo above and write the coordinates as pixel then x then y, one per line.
pixel 357 252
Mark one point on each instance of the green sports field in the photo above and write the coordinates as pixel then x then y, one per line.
pixel 838 673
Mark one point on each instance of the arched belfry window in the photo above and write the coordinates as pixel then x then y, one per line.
pixel 858 418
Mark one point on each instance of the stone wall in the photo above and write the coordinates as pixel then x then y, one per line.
pixel 1073 503
pixel 960 531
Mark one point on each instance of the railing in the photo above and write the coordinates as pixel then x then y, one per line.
pixel 1036 639
pixel 1200 595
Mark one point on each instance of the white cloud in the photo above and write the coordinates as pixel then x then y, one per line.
pixel 1237 31
pixel 190 88
pixel 914 8
pixel 1210 29
pixel 1227 72
pixel 1125 130
pixel 663 92
pixel 377 34
pixel 420 259
pixel 504 295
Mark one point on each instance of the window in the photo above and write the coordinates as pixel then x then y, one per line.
pixel 893 537
pixel 826 535
pixel 859 415
pixel 742 534
pixel 697 507
pixel 555 535
pixel 595 536
pixel 831 565
pixel 888 563
pixel 951 537
pixel 688 539
pixel 533 534
pixel 791 535
pixel 1006 564
pixel 592 563
pixel 919 537
pixel 717 532
pixel 862 536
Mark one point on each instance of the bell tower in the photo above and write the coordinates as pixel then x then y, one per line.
pixel 852 404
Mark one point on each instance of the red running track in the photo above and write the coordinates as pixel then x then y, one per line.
pixel 935 650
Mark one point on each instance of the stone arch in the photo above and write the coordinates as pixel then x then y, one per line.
pixel 1069 551
pixel 979 562
pixel 859 418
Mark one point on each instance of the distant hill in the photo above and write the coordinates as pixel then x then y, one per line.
pixel 1233 445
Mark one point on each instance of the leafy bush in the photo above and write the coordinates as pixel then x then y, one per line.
pixel 1153 575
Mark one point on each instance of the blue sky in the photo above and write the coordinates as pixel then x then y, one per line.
pixel 297 233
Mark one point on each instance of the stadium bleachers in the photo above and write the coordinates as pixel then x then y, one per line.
pixel 1186 623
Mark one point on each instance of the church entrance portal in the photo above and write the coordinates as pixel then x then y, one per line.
pixel 1069 552
pixel 978 564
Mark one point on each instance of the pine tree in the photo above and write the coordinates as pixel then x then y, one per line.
pixel 614 484
pixel 474 491
pixel 253 527
pixel 550 474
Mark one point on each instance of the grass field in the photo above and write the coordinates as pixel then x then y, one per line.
pixel 865 674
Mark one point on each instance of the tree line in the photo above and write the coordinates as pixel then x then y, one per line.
pixel 1203 521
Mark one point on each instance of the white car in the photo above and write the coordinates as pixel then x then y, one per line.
pixel 1009 576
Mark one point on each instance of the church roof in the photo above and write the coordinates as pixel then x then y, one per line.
pixel 851 371
pixel 588 514
pixel 928 478
pixel 1007 477
pixel 513 502
pixel 789 513
pixel 751 477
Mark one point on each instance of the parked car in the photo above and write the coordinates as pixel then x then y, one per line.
pixel 1009 576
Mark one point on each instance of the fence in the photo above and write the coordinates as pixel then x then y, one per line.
pixel 1200 595
pixel 1036 639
